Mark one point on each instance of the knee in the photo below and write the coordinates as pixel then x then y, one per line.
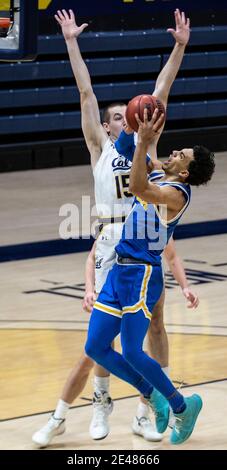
pixel 93 349
pixel 86 364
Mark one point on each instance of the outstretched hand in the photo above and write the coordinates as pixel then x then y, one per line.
pixel 68 24
pixel 182 32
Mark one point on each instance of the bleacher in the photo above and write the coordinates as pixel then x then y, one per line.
pixel 39 103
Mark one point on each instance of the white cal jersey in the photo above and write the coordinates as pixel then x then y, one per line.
pixel 113 200
pixel 111 176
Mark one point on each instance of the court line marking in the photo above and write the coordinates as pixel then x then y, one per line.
pixel 87 321
pixel 80 330
pixel 43 321
pixel 116 399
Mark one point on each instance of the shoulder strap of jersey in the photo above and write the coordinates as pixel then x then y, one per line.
pixel 156 175
pixel 186 190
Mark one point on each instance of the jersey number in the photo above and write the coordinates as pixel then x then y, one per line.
pixel 122 184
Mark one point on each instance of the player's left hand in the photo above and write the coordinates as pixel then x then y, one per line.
pixel 192 297
pixel 88 301
pixel 182 32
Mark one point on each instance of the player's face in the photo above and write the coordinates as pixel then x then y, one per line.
pixel 117 116
pixel 178 162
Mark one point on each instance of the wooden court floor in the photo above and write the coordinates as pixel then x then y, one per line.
pixel 42 335
pixel 43 327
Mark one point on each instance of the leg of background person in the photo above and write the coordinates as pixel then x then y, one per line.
pixel 74 385
pixel 157 347
pixel 101 378
pixel 76 381
pixel 102 403
pixel 158 344
pixel 157 340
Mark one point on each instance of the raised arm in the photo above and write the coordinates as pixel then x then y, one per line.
pixel 169 72
pixel 176 266
pixel 94 133
pixel 162 87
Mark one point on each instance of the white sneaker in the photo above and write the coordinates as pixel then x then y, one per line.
pixel 172 419
pixel 44 436
pixel 143 427
pixel 102 407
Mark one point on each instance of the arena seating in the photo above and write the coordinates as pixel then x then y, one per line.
pixel 40 103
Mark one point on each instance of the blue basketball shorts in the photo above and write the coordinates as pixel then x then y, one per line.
pixel 130 288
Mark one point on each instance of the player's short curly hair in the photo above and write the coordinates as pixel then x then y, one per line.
pixel 202 167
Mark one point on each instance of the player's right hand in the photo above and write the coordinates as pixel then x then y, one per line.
pixel 68 24
pixel 192 297
pixel 148 129
pixel 88 301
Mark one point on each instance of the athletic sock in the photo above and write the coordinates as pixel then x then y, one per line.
pixel 177 402
pixel 142 410
pixel 101 384
pixel 61 409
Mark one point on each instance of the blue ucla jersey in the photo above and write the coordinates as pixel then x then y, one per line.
pixel 146 232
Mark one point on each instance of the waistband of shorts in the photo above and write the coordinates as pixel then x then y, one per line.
pixel 106 221
pixel 121 260
pixel 111 220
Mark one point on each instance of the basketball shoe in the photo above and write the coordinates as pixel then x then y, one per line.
pixel 160 408
pixel 185 421
pixel 102 408
pixel 171 422
pixel 143 427
pixel 44 436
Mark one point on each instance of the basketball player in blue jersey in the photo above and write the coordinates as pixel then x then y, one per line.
pixel 135 283
pixel 111 176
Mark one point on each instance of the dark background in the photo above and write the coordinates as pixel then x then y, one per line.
pixel 115 14
pixel 40 123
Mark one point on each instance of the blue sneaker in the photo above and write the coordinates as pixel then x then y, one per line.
pixel 160 408
pixel 185 421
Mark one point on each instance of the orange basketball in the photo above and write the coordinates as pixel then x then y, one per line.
pixel 4 23
pixel 138 104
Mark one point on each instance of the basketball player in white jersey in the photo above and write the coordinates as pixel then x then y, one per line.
pixel 111 176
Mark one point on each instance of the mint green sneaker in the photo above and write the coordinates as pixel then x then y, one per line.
pixel 160 408
pixel 185 421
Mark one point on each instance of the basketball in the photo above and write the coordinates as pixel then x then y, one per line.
pixel 4 23
pixel 138 104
